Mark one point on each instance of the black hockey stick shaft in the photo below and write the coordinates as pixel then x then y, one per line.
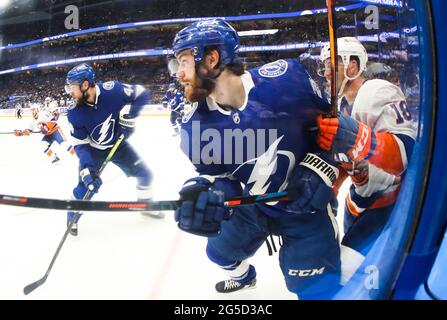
pixel 32 286
pixel 119 206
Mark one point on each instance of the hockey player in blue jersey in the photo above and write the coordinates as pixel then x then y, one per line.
pixel 248 133
pixel 174 99
pixel 96 122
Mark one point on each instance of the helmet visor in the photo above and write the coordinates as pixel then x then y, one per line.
pixel 69 87
pixel 173 66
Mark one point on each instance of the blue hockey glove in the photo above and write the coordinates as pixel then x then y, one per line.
pixel 312 181
pixel 90 179
pixel 202 208
pixel 127 125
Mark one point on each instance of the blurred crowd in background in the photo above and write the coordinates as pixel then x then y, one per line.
pixel 45 18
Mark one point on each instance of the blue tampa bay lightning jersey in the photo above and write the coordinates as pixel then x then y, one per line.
pixel 260 143
pixel 174 99
pixel 97 126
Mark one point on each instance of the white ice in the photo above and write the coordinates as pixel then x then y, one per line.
pixel 116 255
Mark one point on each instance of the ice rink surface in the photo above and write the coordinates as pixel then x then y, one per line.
pixel 116 255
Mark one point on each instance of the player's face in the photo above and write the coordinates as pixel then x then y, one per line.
pixel 76 93
pixel 328 71
pixel 194 90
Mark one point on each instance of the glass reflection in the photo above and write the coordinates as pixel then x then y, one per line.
pixel 377 80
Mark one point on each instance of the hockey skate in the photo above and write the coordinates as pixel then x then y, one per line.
pixel 176 132
pixel 73 229
pixel 154 214
pixel 231 285
pixel 56 160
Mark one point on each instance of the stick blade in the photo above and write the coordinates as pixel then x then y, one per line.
pixel 32 286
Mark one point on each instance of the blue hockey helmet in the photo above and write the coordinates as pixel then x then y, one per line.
pixel 78 74
pixel 171 85
pixel 205 33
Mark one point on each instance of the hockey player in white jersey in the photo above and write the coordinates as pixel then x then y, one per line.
pixel 47 102
pixel 44 120
pixel 373 137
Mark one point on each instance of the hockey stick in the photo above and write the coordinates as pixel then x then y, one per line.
pixel 32 286
pixel 13 132
pixel 115 206
pixel 333 52
pixel 333 112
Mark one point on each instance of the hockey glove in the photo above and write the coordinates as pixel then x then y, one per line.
pixel 127 125
pixel 20 133
pixel 357 170
pixel 312 181
pixel 90 179
pixel 202 208
pixel 345 135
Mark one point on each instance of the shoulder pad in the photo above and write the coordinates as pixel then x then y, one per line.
pixel 273 69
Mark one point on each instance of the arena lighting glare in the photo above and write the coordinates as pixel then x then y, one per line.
pixel 4 3
pixel 257 32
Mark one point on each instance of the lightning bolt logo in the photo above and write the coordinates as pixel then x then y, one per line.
pixel 105 131
pixel 265 167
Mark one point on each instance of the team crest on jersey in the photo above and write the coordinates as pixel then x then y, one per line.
pixel 71 105
pixel 103 132
pixel 274 161
pixel 273 69
pixel 236 118
pixel 108 85
pixel 189 114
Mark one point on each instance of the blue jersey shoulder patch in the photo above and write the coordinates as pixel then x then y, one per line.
pixel 273 69
pixel 188 115
pixel 108 85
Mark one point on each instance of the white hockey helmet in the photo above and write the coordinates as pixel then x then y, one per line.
pixel 34 107
pixel 347 47
pixel 52 107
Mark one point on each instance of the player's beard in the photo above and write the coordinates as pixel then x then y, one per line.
pixel 80 100
pixel 198 89
pixel 83 99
